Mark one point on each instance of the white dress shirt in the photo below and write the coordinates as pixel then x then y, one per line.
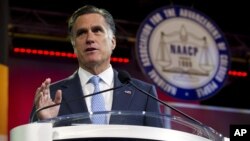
pixel 106 82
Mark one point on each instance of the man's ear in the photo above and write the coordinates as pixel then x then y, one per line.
pixel 113 42
pixel 73 45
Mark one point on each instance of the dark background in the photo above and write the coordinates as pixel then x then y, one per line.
pixel 231 16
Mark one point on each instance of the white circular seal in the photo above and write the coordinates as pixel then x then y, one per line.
pixel 183 52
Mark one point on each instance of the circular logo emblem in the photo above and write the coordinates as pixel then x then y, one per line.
pixel 183 52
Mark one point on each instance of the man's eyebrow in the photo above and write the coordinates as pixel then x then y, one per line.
pixel 95 26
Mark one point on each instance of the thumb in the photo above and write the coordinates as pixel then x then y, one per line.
pixel 58 96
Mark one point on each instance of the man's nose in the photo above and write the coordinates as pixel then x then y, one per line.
pixel 89 37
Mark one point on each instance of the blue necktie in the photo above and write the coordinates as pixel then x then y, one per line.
pixel 97 102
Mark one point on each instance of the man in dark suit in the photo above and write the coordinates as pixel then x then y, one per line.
pixel 92 34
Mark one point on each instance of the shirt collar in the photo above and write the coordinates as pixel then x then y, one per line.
pixel 107 76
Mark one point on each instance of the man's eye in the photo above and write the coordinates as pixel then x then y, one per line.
pixel 96 30
pixel 80 32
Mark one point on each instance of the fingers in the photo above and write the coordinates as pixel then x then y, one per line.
pixel 45 87
pixel 42 92
pixel 37 96
pixel 58 97
pixel 45 101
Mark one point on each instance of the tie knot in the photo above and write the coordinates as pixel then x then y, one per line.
pixel 94 80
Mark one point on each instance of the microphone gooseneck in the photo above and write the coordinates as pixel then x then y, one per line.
pixel 125 78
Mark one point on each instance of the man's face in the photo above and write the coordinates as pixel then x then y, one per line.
pixel 93 41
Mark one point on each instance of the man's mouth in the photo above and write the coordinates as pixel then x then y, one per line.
pixel 90 49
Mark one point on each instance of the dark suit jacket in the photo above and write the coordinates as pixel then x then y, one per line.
pixel 126 98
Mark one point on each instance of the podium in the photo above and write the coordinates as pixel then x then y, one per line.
pixel 123 125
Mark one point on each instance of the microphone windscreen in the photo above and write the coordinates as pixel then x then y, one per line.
pixel 124 76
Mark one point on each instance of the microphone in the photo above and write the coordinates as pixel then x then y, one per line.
pixel 125 78
pixel 83 97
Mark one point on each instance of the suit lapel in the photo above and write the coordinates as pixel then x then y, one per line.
pixel 73 95
pixel 122 97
